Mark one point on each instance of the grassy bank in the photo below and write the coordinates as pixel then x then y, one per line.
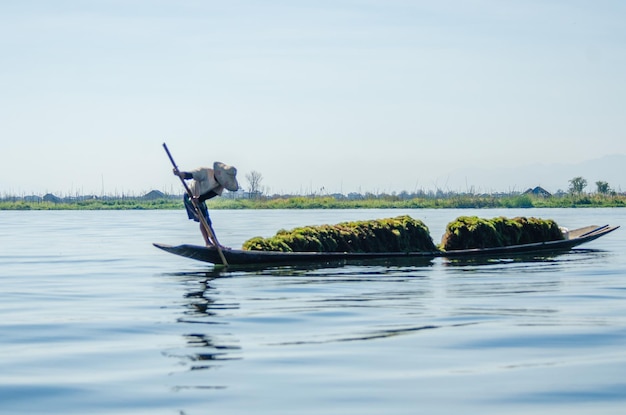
pixel 451 202
pixel 94 204
pixel 301 202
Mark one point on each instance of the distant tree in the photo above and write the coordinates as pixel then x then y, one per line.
pixel 577 184
pixel 254 179
pixel 603 187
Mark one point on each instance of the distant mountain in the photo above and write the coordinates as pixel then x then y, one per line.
pixel 552 177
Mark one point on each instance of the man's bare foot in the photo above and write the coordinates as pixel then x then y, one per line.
pixel 211 245
pixel 224 248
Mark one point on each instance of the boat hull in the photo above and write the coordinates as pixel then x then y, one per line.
pixel 241 257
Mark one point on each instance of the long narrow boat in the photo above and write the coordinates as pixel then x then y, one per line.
pixel 241 257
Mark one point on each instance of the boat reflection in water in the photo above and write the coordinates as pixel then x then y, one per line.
pixel 239 322
pixel 212 343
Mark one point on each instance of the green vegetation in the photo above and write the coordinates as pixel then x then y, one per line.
pixel 456 201
pixel 453 201
pixel 471 232
pixel 93 204
pixel 577 185
pixel 538 197
pixel 445 201
pixel 405 234
pixel 400 234
pixel 603 187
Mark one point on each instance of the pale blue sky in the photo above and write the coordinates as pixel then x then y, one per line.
pixel 377 96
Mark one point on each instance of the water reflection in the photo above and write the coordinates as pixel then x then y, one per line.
pixel 202 303
pixel 370 335
pixel 279 306
pixel 212 352
pixel 206 348
pixel 527 258
pixel 305 267
pixel 473 285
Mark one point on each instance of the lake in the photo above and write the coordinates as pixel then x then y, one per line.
pixel 94 319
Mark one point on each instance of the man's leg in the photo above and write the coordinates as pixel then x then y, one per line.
pixel 205 235
pixel 207 238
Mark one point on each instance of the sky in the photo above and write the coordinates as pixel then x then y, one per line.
pixel 316 96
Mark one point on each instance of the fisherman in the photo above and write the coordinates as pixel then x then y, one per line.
pixel 207 183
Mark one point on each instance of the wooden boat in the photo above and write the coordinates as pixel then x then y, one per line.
pixel 241 257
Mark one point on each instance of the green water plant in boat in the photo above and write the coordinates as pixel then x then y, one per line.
pixel 399 234
pixel 472 232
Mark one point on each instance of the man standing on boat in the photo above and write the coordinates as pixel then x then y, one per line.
pixel 207 183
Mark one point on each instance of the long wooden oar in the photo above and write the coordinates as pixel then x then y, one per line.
pixel 196 207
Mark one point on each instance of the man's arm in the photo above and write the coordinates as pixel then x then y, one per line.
pixel 183 174
pixel 208 195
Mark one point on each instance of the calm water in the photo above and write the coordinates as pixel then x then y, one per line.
pixel 93 319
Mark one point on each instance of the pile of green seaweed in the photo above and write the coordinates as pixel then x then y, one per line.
pixel 399 234
pixel 405 234
pixel 471 232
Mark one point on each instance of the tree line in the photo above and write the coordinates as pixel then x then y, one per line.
pixel 578 184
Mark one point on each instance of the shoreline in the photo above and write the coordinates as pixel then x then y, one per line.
pixel 327 202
